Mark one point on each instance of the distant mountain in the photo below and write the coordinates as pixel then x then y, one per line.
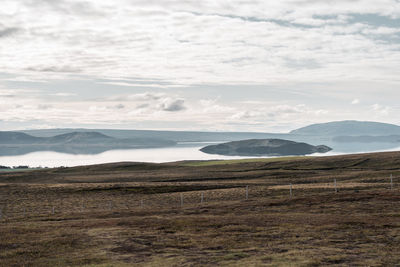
pixel 315 134
pixel 80 137
pixel 177 136
pixel 367 139
pixel 17 138
pixel 16 143
pixel 264 147
pixel 349 128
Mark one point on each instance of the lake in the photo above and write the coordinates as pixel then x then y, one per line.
pixel 156 155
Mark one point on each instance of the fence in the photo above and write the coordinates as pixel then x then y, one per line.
pixel 69 203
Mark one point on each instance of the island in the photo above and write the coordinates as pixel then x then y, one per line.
pixel 264 147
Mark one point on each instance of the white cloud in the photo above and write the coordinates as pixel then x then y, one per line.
pixel 119 106
pixel 244 115
pixel 212 106
pixel 143 85
pixel 44 107
pixel 383 110
pixel 169 104
pixel 188 42
pixel 148 96
pixel 64 94
pixel 303 49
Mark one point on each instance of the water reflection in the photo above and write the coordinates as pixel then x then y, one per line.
pixel 55 159
pixel 157 155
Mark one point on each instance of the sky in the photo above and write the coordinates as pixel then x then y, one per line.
pixel 238 65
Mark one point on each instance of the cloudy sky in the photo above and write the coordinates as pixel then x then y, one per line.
pixel 238 65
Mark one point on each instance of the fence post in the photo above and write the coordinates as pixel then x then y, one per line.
pixel 291 189
pixel 52 210
pixel 202 197
pixel 141 203
pixel 247 192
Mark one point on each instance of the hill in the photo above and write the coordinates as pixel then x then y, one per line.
pixel 17 143
pixel 80 137
pixel 264 147
pixel 368 139
pixel 315 134
pixel 17 138
pixel 177 136
pixel 348 128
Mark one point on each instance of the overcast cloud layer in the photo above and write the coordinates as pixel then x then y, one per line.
pixel 197 65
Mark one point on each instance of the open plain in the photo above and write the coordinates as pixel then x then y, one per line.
pixel 261 212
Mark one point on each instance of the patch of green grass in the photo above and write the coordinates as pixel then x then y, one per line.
pixel 236 161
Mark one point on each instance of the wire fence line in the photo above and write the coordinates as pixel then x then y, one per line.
pixel 70 204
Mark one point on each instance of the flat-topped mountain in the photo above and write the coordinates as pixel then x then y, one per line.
pixel 349 128
pixel 264 147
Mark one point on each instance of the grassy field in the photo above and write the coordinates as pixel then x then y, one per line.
pixel 236 161
pixel 141 214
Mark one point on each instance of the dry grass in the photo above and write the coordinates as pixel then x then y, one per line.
pixel 99 219
pixel 236 161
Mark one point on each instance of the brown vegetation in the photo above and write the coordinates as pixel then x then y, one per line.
pixel 128 214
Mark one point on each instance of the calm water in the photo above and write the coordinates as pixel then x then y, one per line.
pixel 157 155
pixel 54 159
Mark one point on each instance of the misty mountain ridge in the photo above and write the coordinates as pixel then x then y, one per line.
pixel 367 139
pixel 17 138
pixel 74 137
pixel 342 136
pixel 80 137
pixel 16 143
pixel 329 129
pixel 349 128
